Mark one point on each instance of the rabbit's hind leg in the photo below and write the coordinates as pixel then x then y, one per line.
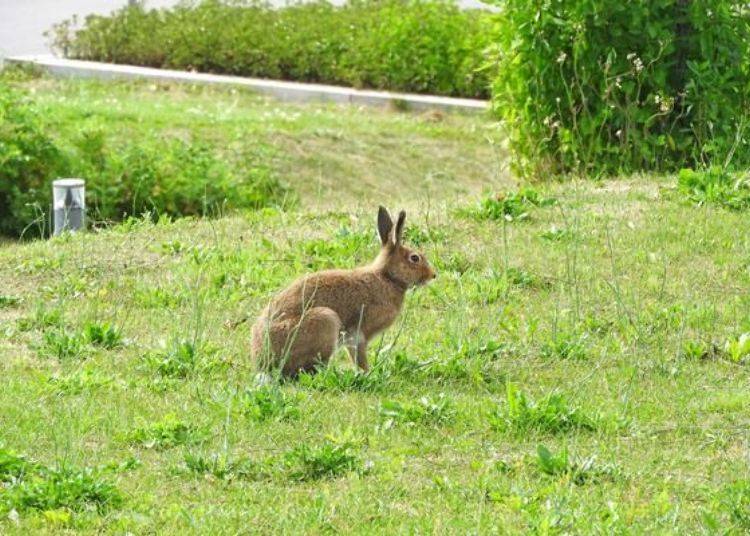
pixel 312 341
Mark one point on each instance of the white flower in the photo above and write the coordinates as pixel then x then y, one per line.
pixel 619 133
pixel 562 57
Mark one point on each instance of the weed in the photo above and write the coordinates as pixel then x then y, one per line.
pixel 269 402
pixel 7 301
pixel 42 318
pixel 418 236
pixel 13 466
pixel 104 335
pixel 738 349
pixel 32 486
pixel 424 412
pixel 565 345
pixel 331 378
pixel 78 382
pixel 523 279
pixel 578 471
pixel 180 360
pixel 165 434
pixel 223 468
pixel 340 250
pixel 556 234
pixel 511 206
pixel 455 262
pixel 715 185
pixel 699 350
pixel 550 415
pixel 734 503
pixel 61 344
pixel 72 489
pixel 328 460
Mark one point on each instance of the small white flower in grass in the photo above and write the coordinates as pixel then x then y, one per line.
pixel 13 517
pixel 562 57
pixel 619 133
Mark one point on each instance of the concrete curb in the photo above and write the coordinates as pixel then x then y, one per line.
pixel 286 91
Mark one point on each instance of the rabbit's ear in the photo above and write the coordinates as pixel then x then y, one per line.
pixel 400 226
pixel 385 225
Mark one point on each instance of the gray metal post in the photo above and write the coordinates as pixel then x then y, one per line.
pixel 68 205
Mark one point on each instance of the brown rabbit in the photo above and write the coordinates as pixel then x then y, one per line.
pixel 300 328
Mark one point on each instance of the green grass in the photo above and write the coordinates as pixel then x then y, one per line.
pixel 625 338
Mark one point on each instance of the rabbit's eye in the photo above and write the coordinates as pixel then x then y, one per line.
pixel 414 258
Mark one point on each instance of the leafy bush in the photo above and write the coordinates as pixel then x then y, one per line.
pixel 170 177
pixel 418 45
pixel 158 175
pixel 715 185
pixel 607 87
pixel 28 160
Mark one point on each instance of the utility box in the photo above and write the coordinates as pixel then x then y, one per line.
pixel 68 205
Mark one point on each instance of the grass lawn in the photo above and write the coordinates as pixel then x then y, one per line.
pixel 566 371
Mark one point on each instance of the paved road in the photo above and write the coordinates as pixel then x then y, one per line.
pixel 23 22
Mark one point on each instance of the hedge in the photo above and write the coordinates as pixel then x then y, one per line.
pixel 158 175
pixel 423 46
pixel 602 87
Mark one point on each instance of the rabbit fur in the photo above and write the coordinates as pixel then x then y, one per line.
pixel 302 326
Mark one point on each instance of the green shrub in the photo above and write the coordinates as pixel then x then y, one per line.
pixel 159 176
pixel 168 176
pixel 29 159
pixel 607 87
pixel 409 45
